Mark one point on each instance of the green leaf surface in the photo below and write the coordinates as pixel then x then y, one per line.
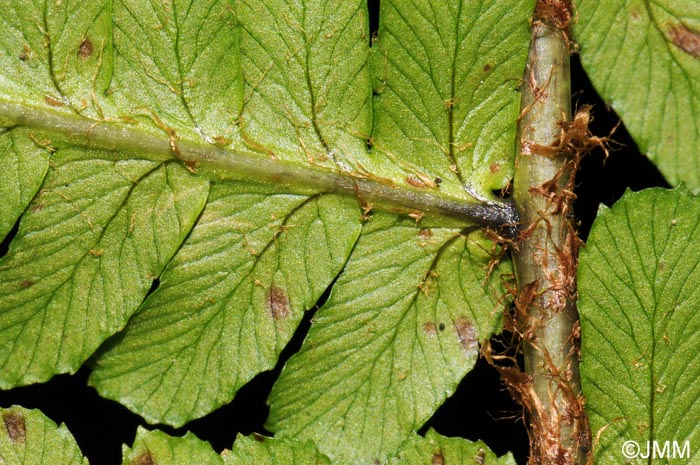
pixel 85 255
pixel 168 66
pixel 439 450
pixel 639 301
pixel 233 127
pixel 158 448
pixel 24 167
pixel 447 74
pixel 399 332
pixel 27 437
pixel 262 450
pixel 228 302
pixel 643 57
pixel 308 85
pixel 261 90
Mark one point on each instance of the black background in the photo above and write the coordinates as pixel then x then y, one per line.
pixel 480 409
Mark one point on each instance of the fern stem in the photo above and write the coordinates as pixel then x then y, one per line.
pixel 225 163
pixel 547 251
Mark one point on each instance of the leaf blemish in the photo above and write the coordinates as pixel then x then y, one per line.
pixel 85 49
pixel 15 426
pixel 429 328
pixel 278 303
pixel 145 459
pixel 465 332
pixel 686 39
pixel 26 283
pixel 438 458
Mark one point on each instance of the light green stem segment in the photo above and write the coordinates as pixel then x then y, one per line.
pixel 246 164
pixel 546 256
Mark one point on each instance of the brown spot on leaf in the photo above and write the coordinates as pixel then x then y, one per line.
pixel 466 332
pixel 495 167
pixel 26 283
pixel 259 437
pixel 145 459
pixel 487 67
pixel 438 458
pixel 429 328
pixel 480 457
pixel 278 303
pixel 686 39
pixel 15 426
pixel 85 49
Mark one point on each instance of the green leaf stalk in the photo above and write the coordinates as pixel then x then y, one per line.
pixel 545 256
